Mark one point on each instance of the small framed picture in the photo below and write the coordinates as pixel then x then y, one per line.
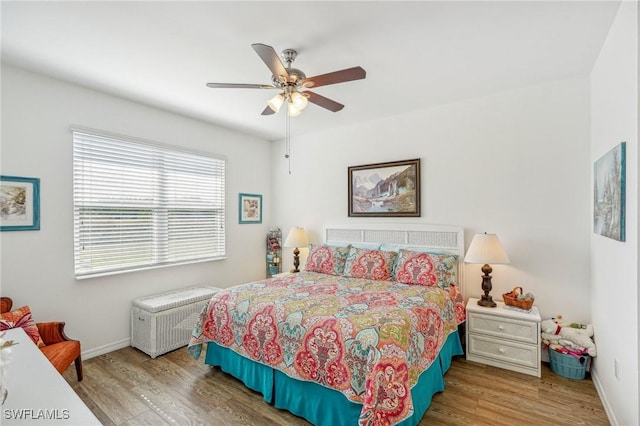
pixel 19 203
pixel 250 208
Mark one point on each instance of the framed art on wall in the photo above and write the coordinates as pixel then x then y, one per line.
pixel 385 189
pixel 19 203
pixel 250 208
pixel 609 193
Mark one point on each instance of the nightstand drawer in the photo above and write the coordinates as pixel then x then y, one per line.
pixel 503 351
pixel 508 328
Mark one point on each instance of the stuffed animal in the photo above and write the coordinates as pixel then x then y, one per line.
pixel 575 338
pixel 587 327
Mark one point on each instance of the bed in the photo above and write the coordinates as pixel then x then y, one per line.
pixel 364 335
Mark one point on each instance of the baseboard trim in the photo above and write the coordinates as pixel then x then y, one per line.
pixel 603 397
pixel 104 349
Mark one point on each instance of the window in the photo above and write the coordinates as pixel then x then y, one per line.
pixel 139 205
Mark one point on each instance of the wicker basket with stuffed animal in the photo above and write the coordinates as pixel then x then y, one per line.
pixel 515 298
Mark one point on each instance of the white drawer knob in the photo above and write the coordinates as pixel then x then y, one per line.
pixel 501 328
pixel 501 350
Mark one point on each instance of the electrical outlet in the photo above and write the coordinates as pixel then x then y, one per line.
pixel 616 368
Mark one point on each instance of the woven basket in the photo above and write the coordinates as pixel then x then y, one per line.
pixel 511 299
pixel 569 366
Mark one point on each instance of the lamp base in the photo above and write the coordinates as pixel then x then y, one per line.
pixel 487 301
pixel 296 260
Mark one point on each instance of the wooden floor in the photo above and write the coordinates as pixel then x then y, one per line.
pixel 126 387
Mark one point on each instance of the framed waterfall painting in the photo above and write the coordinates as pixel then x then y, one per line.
pixel 19 203
pixel 385 189
pixel 609 174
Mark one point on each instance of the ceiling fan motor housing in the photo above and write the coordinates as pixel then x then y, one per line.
pixel 295 75
pixel 295 78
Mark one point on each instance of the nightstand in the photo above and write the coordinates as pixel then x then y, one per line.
pixel 504 338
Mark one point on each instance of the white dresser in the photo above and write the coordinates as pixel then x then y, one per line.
pixel 38 394
pixel 504 338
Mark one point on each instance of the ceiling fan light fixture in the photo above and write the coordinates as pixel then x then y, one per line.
pixel 276 102
pixel 299 100
pixel 293 110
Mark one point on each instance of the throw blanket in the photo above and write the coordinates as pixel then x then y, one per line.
pixel 368 339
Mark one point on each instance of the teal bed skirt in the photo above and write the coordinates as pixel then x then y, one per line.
pixel 320 405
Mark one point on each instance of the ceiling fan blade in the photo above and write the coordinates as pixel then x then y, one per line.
pixel 239 86
pixel 271 59
pixel 323 102
pixel 268 111
pixel 349 74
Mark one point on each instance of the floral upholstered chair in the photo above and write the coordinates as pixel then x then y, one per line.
pixel 49 336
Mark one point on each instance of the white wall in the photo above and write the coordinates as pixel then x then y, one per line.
pixel 37 266
pixel 515 163
pixel 614 293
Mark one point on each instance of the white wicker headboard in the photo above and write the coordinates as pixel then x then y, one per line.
pixel 443 238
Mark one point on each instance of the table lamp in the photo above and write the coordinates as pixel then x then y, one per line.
pixel 484 249
pixel 296 238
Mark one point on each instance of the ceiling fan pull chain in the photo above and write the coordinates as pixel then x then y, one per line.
pixel 287 154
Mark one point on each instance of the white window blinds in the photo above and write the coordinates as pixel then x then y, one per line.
pixel 139 205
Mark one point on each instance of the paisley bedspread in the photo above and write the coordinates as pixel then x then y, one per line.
pixel 370 340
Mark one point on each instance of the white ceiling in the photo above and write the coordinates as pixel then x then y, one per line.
pixel 417 54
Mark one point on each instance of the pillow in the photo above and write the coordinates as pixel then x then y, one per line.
pixel 369 264
pixel 326 259
pixel 429 269
pixel 21 318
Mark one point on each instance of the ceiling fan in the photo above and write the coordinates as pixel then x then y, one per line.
pixel 293 83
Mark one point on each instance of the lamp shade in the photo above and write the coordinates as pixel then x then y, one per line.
pixel 299 100
pixel 296 238
pixel 486 248
pixel 276 102
pixel 294 111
